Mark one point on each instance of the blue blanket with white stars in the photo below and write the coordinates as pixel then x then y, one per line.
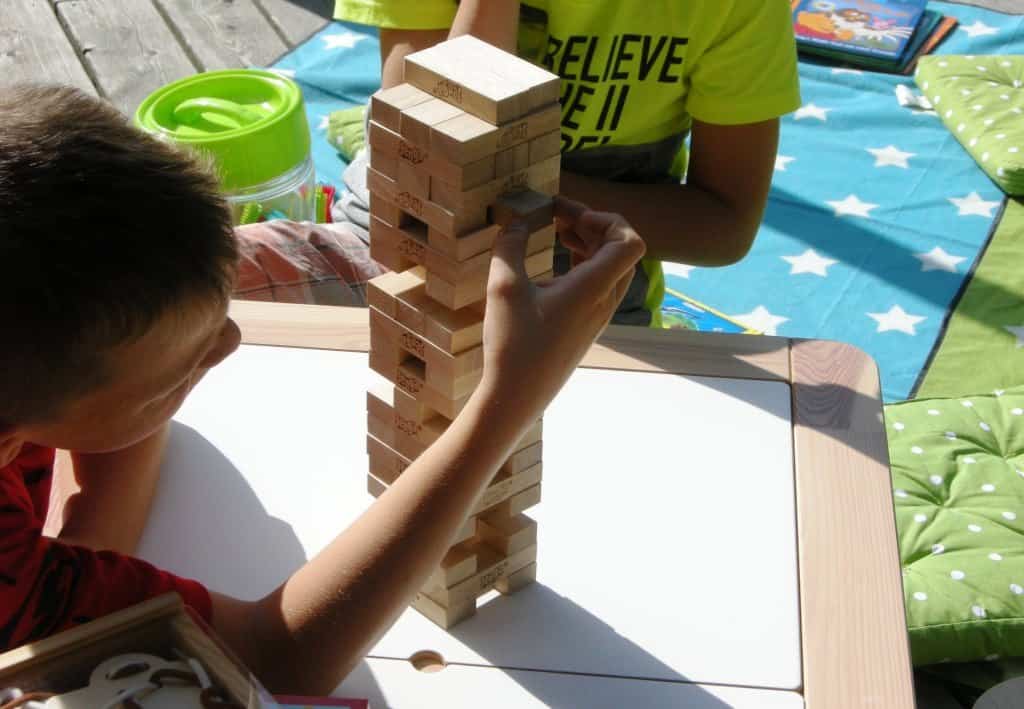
pixel 876 218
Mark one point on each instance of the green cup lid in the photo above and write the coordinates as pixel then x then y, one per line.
pixel 251 122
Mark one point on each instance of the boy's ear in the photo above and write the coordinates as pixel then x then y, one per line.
pixel 10 444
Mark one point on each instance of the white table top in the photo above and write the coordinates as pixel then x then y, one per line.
pixel 667 539
pixel 396 684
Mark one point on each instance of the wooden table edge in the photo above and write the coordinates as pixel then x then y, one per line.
pixel 854 643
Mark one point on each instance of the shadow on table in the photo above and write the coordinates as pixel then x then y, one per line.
pixel 557 620
pixel 208 524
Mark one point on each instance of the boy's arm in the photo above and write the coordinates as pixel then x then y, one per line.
pixel 309 633
pixel 115 491
pixel 712 219
pixel 494 21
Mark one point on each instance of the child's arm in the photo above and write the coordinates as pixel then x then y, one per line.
pixel 713 218
pixel 309 633
pixel 115 491
pixel 494 21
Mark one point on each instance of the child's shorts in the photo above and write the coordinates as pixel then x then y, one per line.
pixel 293 262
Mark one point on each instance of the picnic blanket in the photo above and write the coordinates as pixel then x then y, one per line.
pixel 876 218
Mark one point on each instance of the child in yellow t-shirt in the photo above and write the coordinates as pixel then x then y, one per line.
pixel 638 76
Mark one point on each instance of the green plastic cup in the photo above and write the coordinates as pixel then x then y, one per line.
pixel 252 124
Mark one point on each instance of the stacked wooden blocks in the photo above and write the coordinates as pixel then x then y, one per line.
pixel 470 143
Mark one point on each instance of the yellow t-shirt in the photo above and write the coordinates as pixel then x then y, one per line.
pixel 636 72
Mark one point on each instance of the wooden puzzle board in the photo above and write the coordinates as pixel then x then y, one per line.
pixel 713 598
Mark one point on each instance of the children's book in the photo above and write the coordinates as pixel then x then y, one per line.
pixel 926 31
pixel 858 28
pixel 680 312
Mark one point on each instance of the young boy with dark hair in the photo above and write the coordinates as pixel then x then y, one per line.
pixel 117 261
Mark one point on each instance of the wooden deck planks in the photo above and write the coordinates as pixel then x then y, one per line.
pixel 128 47
pixel 298 19
pixel 33 47
pixel 225 34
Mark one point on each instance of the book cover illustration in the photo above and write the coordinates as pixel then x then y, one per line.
pixel 680 312
pixel 877 28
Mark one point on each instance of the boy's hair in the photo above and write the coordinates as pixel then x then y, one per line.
pixel 103 230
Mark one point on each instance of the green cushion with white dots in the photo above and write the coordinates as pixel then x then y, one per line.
pixel 981 100
pixel 958 479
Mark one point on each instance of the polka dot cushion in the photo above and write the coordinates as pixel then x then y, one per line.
pixel 958 478
pixel 981 100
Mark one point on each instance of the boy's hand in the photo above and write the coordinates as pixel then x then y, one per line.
pixel 536 333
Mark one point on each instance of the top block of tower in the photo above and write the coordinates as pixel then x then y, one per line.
pixel 481 79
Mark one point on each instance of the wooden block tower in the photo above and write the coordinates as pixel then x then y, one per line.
pixel 469 143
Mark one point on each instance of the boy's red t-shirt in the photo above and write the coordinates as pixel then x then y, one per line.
pixel 47 586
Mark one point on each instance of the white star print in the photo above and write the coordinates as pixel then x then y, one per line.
pixel 890 155
pixel 811 111
pixel 677 269
pixel 346 40
pixel 897 319
pixel 938 260
pixel 979 29
pixel 809 262
pixel 852 205
pixel 1017 332
pixel 325 121
pixel 760 319
pixel 973 204
pixel 781 161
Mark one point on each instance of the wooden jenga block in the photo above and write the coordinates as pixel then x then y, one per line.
pixel 469 291
pixel 410 378
pixel 524 458
pixel 416 121
pixel 413 179
pixel 383 291
pixel 404 297
pixel 397 248
pixel 517 579
pixel 385 189
pixel 507 495
pixel 481 79
pixel 410 408
pixel 457 565
pixel 375 486
pixel 536 177
pixel 545 146
pixel 506 535
pixel 463 247
pixel 533 208
pixel 512 160
pixel 446 372
pixel 384 163
pixel 518 502
pixel 468 531
pixel 491 568
pixel 386 106
pixel 388 211
pixel 466 139
pixel 444 616
pixel 406 437
pixel 461 177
